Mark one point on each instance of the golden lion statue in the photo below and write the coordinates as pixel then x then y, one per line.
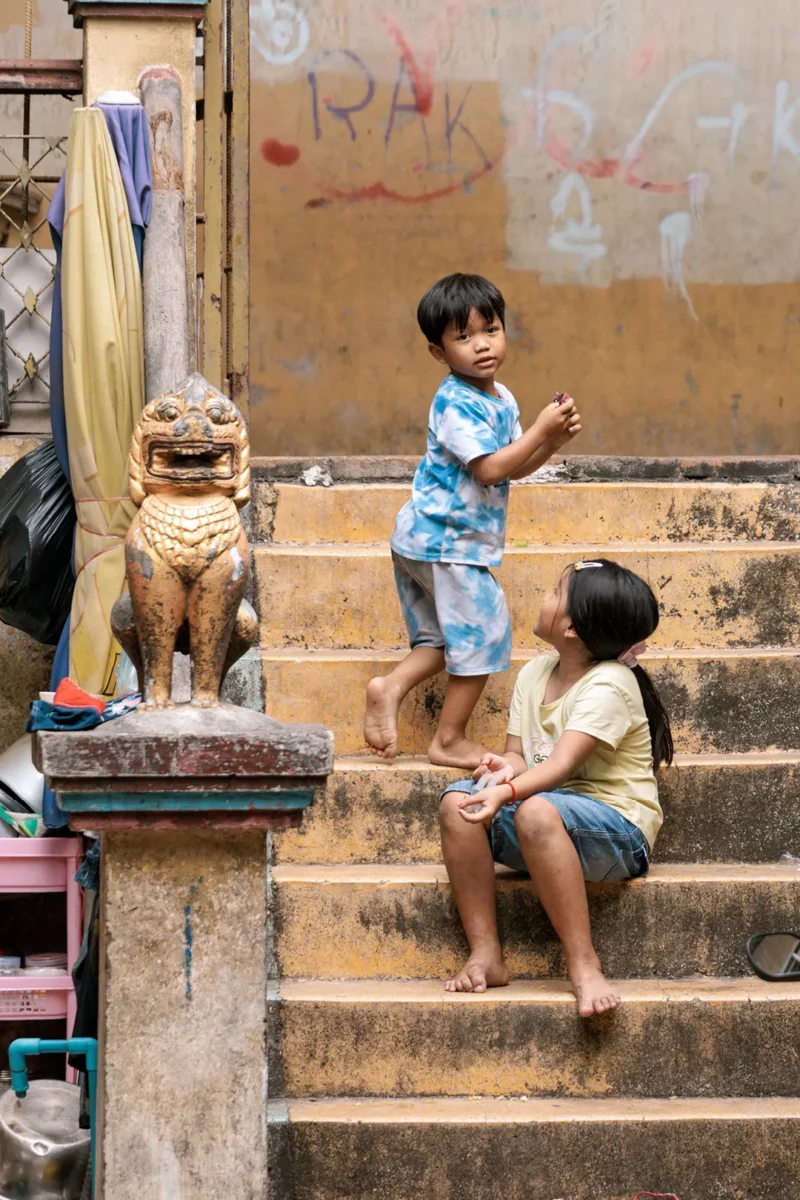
pixel 186 553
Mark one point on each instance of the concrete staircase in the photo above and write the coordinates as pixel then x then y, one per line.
pixel 381 1084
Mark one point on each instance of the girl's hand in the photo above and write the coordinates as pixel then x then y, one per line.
pixel 481 808
pixel 495 764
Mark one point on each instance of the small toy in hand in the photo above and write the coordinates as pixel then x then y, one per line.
pixel 486 781
pixel 559 397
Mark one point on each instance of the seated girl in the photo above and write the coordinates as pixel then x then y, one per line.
pixel 574 795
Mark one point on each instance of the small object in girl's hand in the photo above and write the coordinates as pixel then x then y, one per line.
pixel 486 781
pixel 559 397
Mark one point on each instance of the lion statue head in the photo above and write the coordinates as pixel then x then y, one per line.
pixel 193 440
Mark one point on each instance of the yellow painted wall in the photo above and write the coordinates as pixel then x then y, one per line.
pixel 626 170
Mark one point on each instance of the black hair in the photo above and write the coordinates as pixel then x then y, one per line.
pixel 450 301
pixel 611 609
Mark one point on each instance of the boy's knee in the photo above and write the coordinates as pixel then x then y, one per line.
pixel 536 818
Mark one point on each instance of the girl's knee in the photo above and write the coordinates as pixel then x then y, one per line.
pixel 448 808
pixel 537 817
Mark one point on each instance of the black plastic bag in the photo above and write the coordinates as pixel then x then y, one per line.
pixel 37 522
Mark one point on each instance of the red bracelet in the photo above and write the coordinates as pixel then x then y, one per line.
pixel 514 795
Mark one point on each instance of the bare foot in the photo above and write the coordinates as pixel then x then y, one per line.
pixel 456 753
pixel 380 718
pixel 593 991
pixel 481 971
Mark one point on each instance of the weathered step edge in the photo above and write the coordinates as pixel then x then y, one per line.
pixel 373 812
pixel 402 1038
pixel 375 921
pixel 359 1149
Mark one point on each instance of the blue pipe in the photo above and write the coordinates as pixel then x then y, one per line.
pixel 24 1048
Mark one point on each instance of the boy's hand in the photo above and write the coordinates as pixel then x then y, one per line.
pixel 480 808
pixel 495 764
pixel 559 422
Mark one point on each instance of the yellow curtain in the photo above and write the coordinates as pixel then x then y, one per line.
pixel 101 291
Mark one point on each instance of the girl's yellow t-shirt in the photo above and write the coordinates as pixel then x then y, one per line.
pixel 606 704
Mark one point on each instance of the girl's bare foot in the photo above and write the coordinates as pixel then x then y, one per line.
pixel 592 990
pixel 480 972
pixel 380 718
pixel 446 751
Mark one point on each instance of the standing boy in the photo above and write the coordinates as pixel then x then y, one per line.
pixel 452 530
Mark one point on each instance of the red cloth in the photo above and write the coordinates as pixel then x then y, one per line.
pixel 69 695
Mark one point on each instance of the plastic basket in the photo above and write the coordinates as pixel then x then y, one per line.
pixel 47 998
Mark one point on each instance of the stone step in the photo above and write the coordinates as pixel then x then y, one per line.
pixel 719 701
pixel 375 921
pixel 373 812
pixel 733 1037
pixel 713 595
pixel 538 1149
pixel 545 513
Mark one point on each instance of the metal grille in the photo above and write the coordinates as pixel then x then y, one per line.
pixel 30 166
pixel 34 121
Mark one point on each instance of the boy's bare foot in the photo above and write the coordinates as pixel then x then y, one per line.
pixel 380 718
pixel 460 752
pixel 481 971
pixel 593 991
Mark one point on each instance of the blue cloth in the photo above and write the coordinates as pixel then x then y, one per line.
pixel 611 849
pixel 45 715
pixel 53 817
pixel 459 607
pixel 451 517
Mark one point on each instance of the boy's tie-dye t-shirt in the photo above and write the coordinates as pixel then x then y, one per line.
pixel 451 517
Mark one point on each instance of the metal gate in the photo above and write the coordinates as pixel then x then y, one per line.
pixel 224 203
pixel 32 157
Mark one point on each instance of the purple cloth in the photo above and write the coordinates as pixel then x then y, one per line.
pixel 130 136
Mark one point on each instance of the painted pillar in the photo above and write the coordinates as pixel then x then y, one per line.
pixel 120 39
pixel 183 799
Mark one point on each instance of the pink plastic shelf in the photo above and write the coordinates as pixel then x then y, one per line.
pixel 23 998
pixel 38 864
pixel 43 865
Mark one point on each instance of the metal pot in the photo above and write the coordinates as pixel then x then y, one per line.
pixel 43 1153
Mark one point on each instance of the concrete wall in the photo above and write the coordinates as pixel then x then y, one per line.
pixel 625 170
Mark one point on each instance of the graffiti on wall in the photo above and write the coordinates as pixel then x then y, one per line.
pixel 616 163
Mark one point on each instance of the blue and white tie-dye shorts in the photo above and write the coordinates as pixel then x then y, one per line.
pixel 459 607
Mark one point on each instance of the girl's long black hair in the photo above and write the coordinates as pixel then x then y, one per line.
pixel 611 609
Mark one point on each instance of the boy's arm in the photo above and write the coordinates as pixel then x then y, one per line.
pixel 554 423
pixel 538 459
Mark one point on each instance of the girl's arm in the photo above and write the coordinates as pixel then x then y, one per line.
pixel 571 751
pixel 511 758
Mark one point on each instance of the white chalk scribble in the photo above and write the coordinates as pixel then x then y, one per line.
pixel 579 238
pixel 677 230
pixel 279 30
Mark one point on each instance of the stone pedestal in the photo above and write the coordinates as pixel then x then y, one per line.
pixel 183 800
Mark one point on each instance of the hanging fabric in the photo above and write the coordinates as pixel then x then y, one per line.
pixel 128 129
pixel 101 294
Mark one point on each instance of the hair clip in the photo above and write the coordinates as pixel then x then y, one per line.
pixel 631 657
pixel 581 566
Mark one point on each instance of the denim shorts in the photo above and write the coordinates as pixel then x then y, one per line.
pixel 610 847
pixel 458 607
